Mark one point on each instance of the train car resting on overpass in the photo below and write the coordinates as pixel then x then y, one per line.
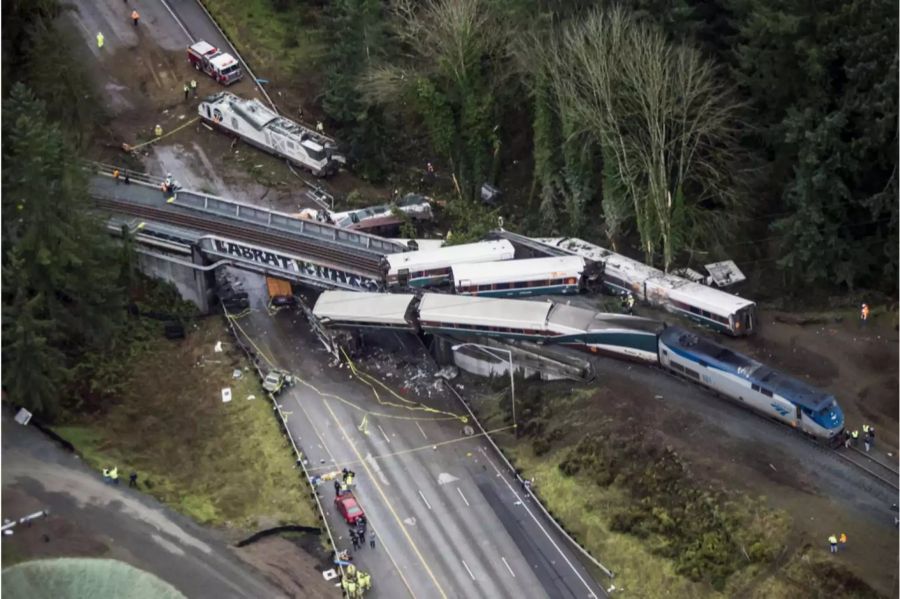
pixel 352 309
pixel 253 238
pixel 544 323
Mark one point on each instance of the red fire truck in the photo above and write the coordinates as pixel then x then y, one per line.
pixel 221 66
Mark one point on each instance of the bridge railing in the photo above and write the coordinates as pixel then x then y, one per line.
pixel 269 218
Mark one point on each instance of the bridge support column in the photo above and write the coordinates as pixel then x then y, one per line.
pixel 204 280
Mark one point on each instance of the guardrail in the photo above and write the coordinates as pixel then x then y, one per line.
pixel 281 221
pixel 525 489
pixel 283 423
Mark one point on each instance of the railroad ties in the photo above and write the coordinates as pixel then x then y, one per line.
pixel 255 237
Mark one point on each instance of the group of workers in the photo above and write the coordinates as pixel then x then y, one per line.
pixel 851 438
pixel 190 88
pixel 833 540
pixel 358 534
pixel 111 477
pixel 343 486
pixel 355 582
pixel 135 19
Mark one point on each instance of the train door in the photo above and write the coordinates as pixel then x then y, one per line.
pixel 403 277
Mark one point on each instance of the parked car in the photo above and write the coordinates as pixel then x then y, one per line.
pixel 347 506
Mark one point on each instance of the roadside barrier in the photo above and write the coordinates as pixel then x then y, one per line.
pixel 282 420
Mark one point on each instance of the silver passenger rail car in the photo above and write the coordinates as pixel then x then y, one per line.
pixel 713 308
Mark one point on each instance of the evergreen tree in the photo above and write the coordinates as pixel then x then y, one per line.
pixel 358 40
pixel 60 293
pixel 823 79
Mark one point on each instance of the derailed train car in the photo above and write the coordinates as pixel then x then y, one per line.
pixel 754 385
pixel 713 308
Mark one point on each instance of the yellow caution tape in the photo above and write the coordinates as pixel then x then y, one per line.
pixel 129 148
pixel 413 407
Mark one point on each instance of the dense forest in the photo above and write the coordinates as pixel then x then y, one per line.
pixel 763 130
pixel 676 130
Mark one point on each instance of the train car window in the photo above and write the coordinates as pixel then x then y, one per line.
pixel 765 392
pixel 691 373
pixel 694 309
pixel 703 364
pixel 755 387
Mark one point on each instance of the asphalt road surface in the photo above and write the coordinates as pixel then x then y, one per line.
pixel 134 527
pixel 449 520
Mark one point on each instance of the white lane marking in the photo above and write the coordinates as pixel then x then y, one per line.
pixel 177 20
pixel 467 569
pixel 536 521
pixel 425 500
pixel 505 563
pixel 384 433
pixel 458 490
pixel 421 431
pixel 373 464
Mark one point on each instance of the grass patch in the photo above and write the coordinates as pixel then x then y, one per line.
pixel 275 42
pixel 812 574
pixel 221 464
pixel 583 509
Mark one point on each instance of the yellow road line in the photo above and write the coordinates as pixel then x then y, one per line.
pixel 331 455
pixel 385 499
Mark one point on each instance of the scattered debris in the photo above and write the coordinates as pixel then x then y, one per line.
pixel 226 394
pixel 218 347
pixel 237 373
pixel 447 372
pixel 249 397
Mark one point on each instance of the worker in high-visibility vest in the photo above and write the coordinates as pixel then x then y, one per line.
pixel 135 17
pixel 114 475
pixel 365 581
pixel 157 131
pixel 864 313
pixel 99 40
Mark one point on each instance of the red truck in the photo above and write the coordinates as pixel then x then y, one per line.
pixel 221 66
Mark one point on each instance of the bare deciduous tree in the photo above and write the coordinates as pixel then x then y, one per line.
pixel 455 51
pixel 658 112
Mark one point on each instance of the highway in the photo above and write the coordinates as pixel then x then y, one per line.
pixel 450 522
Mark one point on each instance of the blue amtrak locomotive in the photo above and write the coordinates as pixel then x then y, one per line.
pixel 767 391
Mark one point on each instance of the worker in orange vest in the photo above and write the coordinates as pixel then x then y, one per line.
pixel 864 314
pixel 135 17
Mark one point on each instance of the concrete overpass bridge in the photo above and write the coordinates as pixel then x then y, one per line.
pixel 184 240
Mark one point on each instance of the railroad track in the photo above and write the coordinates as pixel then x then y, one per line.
pixel 871 466
pixel 315 251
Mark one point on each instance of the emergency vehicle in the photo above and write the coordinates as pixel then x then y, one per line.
pixel 221 66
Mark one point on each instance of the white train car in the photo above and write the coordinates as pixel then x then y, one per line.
pixel 382 218
pixel 432 267
pixel 750 383
pixel 710 307
pixel 518 278
pixel 259 126
pixel 357 309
